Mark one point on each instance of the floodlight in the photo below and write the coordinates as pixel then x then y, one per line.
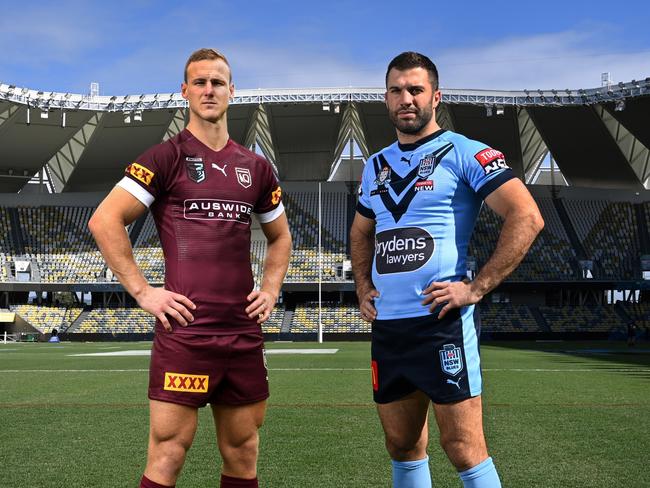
pixel 500 109
pixel 44 113
pixel 488 110
pixel 619 106
pixel 326 107
pixel 127 117
pixel 337 108
pixel 137 116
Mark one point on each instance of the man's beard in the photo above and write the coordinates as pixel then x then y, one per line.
pixel 422 118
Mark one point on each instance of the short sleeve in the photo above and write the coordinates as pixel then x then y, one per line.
pixel 146 177
pixel 269 203
pixel 364 206
pixel 485 169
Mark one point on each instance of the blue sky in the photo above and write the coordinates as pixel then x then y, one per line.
pixel 140 46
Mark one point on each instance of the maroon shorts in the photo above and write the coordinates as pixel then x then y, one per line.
pixel 195 370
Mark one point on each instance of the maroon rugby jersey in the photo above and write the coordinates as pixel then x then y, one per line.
pixel 202 202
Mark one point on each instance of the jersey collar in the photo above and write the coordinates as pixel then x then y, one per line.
pixel 414 145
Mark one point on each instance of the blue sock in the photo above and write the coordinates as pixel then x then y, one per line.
pixel 411 474
pixel 482 475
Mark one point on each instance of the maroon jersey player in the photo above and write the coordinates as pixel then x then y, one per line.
pixel 202 189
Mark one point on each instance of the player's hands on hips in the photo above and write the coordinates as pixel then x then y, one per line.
pixel 160 303
pixel 367 304
pixel 455 294
pixel 261 306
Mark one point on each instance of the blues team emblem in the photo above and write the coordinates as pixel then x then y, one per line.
pixel 427 165
pixel 195 171
pixel 451 359
pixel 244 177
pixel 383 177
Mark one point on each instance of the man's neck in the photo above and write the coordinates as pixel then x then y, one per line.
pixel 214 135
pixel 411 138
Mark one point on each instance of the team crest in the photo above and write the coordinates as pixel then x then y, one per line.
pixel 383 177
pixel 451 359
pixel 427 165
pixel 195 171
pixel 244 177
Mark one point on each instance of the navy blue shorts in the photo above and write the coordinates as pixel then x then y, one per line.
pixel 438 357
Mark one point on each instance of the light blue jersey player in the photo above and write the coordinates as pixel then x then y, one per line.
pixel 425 199
pixel 418 203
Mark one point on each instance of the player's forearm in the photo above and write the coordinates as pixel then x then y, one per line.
pixel 276 264
pixel 113 242
pixel 517 235
pixel 362 248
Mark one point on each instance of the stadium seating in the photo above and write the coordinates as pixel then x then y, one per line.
pixel 608 233
pixel 45 318
pixel 550 257
pixel 506 317
pixel 582 318
pixel 116 321
pixel 148 253
pixel 58 240
pixel 335 317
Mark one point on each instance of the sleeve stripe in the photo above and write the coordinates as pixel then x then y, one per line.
pixel 136 190
pixel 365 211
pixel 267 217
pixel 495 183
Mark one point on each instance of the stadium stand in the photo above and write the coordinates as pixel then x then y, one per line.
pixel 335 317
pixel 506 317
pixel 608 232
pixel 45 318
pixel 551 255
pixel 582 318
pixel 148 253
pixel 57 239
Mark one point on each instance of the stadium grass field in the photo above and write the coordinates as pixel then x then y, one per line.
pixel 560 414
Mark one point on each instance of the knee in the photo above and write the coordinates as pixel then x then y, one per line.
pixel 167 457
pixel 463 452
pixel 404 448
pixel 241 456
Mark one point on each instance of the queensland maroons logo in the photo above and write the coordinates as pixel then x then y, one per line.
pixel 402 250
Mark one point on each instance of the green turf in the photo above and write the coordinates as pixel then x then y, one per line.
pixel 556 415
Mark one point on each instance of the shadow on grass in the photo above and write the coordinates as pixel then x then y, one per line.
pixel 612 355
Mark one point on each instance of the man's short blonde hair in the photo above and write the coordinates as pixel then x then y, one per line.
pixel 205 53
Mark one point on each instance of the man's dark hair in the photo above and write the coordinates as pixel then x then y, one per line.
pixel 410 60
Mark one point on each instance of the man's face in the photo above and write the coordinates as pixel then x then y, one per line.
pixel 410 100
pixel 208 89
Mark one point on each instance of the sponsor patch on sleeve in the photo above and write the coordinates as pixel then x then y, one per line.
pixel 276 196
pixel 140 173
pixel 491 160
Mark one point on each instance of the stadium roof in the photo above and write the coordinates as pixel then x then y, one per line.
pixel 597 137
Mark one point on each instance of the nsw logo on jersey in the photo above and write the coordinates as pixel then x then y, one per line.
pixel 491 160
pixel 451 359
pixel 195 169
pixel 402 250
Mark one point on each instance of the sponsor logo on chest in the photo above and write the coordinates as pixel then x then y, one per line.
pixel 217 209
pixel 402 250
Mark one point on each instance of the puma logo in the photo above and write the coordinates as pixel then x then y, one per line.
pixel 406 160
pixel 223 170
pixel 452 382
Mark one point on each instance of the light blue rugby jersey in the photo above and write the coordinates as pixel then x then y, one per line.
pixel 425 198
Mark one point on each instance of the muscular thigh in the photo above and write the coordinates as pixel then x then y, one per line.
pixel 172 422
pixel 236 424
pixel 461 421
pixel 405 420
